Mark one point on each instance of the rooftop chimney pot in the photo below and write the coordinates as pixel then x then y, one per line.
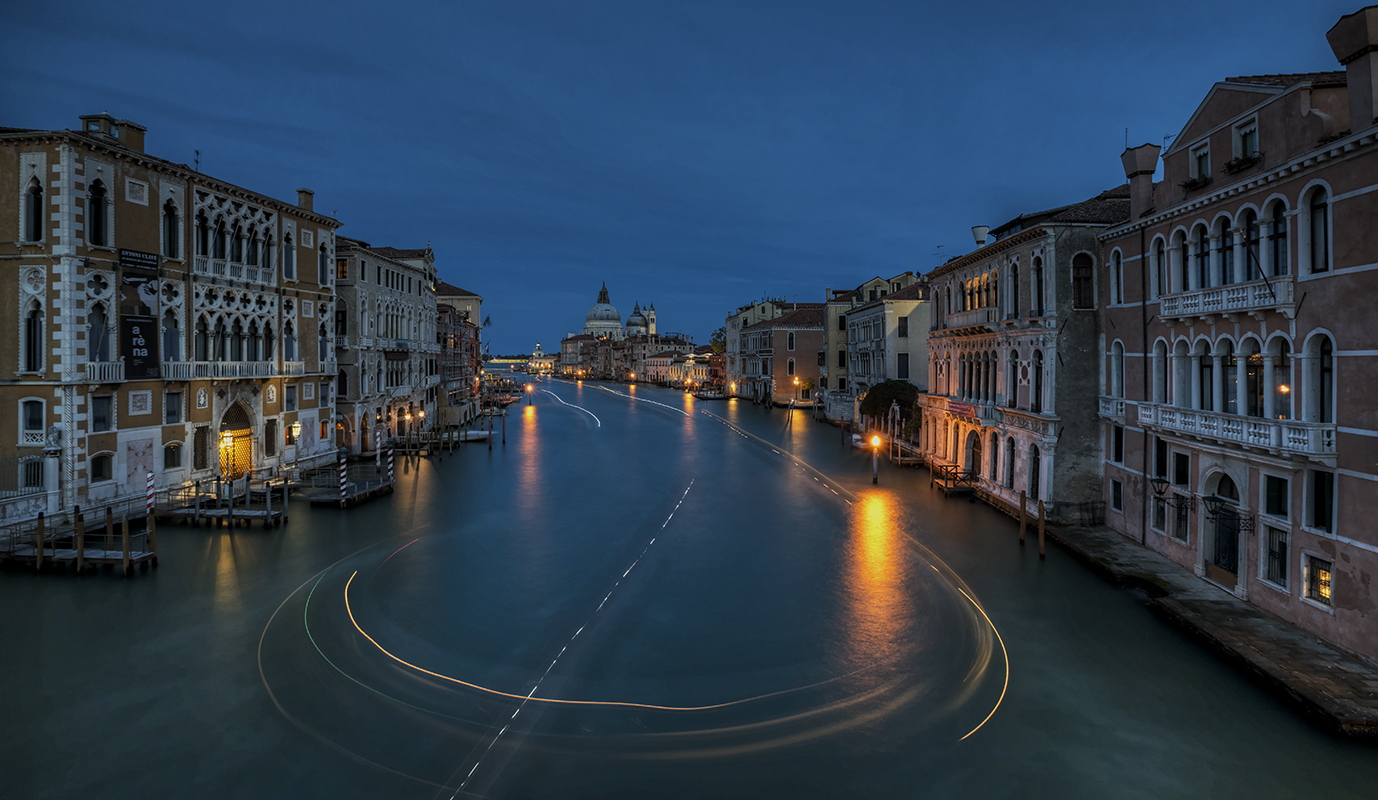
pixel 304 197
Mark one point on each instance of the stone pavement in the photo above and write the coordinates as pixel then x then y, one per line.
pixel 1335 688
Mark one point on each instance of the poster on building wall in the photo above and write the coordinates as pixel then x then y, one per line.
pixel 139 346
pixel 138 292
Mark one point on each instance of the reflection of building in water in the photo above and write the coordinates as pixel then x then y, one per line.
pixel 607 349
pixel 161 310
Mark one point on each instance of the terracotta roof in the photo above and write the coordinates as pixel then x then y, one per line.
pixel 1108 207
pixel 1318 78
pixel 803 318
pixel 443 289
pixel 580 337
pixel 914 291
pixel 666 353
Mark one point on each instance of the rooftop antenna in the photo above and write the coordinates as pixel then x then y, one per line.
pixel 939 255
pixel 1126 138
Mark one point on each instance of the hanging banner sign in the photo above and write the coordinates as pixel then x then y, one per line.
pixel 137 259
pixel 961 409
pixel 139 346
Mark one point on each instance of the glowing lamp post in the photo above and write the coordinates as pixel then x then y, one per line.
pixel 875 459
pixel 528 394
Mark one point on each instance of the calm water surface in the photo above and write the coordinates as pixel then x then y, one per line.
pixel 638 595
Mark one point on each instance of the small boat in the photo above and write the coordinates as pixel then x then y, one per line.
pixel 862 442
pixel 709 396
pixel 473 436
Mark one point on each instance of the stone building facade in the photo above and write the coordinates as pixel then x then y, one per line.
pixel 1012 358
pixel 389 351
pixel 1240 352
pixel 887 339
pixel 779 357
pixel 167 322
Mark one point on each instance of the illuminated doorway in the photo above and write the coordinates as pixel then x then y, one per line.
pixel 236 442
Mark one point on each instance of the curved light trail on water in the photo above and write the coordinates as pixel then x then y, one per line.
pixel 644 400
pixel 571 405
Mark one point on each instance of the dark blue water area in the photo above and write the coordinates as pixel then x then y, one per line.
pixel 638 594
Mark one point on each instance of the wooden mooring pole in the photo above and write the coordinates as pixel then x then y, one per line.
pixel 196 511
pixel 81 538
pixel 38 555
pixel 124 545
pixel 109 531
pixel 1023 515
pixel 1041 525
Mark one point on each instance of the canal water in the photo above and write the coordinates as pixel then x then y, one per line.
pixel 638 595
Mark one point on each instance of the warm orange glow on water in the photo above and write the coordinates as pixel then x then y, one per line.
pixel 876 605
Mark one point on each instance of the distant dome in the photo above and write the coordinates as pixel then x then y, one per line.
pixel 603 321
pixel 602 311
pixel 637 320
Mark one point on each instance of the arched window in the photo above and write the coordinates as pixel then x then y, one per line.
pixel 101 468
pixel 1229 377
pixel 172 456
pixel 994 457
pixel 267 251
pixel 1117 369
pixel 1181 250
pixel 1036 302
pixel 1203 258
pixel 1035 473
pixel 1160 372
pixel 289 342
pixel 342 384
pixel 1318 231
pixel 1160 286
pixel 33 338
pixel 33 212
pixel 322 345
pixel 237 341
pixel 1277 242
pixel 1012 380
pixel 97 334
pixel 1205 387
pixel 1117 278
pixel 201 341
pixel 1013 291
pixel 219 344
pixel 237 245
pixel 1251 401
pixel 289 258
pixel 96 209
pixel 1253 235
pixel 171 230
pixel 172 338
pixel 341 321
pixel 203 235
pixel 253 245
pixel 1009 463
pixel 1225 239
pixel 1280 354
pixel 268 353
pixel 323 267
pixel 1036 383
pixel 219 240
pixel 789 340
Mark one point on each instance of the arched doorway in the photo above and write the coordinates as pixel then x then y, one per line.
pixel 236 442
pixel 1222 563
pixel 974 454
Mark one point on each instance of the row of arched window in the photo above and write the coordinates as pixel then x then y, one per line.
pixel 975 378
pixel 1250 378
pixel 984 291
pixel 983 456
pixel 1251 245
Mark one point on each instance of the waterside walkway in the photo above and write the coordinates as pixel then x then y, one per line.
pixel 1337 689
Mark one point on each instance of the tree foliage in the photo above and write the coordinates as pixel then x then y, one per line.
pixel 879 399
pixel 719 340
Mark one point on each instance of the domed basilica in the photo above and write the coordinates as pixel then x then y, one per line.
pixel 603 321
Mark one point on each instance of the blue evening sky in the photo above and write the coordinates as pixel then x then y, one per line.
pixel 697 155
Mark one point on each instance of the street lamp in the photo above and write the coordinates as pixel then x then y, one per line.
pixel 875 459
pixel 528 394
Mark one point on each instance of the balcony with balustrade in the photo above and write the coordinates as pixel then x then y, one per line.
pixel 1282 437
pixel 971 323
pixel 104 371
pixel 1254 297
pixel 1112 408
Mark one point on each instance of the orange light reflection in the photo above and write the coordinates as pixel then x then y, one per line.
pixel 876 602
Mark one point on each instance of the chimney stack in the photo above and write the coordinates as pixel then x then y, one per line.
pixel 980 232
pixel 304 199
pixel 1139 164
pixel 1353 40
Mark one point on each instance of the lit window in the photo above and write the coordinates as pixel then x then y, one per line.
pixel 1318 576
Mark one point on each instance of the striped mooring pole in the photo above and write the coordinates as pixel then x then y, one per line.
pixel 152 523
pixel 344 478
pixel 390 478
pixel 378 451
